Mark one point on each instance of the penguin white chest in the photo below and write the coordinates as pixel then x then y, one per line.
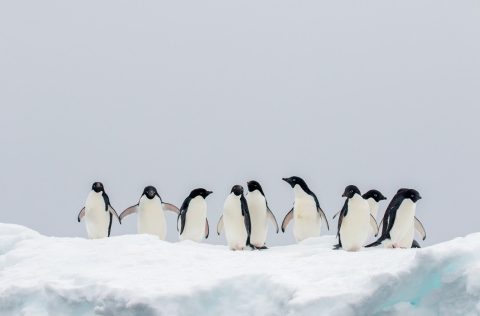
pixel 97 219
pixel 234 223
pixel 257 207
pixel 355 227
pixel 307 220
pixel 195 220
pixel 151 218
pixel 402 232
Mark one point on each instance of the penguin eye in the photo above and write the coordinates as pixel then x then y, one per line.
pixel 351 191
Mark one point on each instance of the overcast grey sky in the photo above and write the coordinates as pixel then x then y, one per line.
pixel 186 94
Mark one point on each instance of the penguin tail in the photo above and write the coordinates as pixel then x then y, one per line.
pixel 415 244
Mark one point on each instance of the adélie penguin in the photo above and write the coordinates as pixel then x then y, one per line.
pixel 235 220
pixel 192 219
pixel 98 213
pixel 400 222
pixel 151 213
pixel 306 211
pixel 373 197
pixel 260 213
pixel 355 222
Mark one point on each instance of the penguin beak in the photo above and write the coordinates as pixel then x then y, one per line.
pixel 209 192
pixel 344 195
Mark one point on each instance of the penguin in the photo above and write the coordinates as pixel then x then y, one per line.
pixel 151 217
pixel 355 221
pixel 193 216
pixel 235 220
pixel 260 213
pixel 306 211
pixel 98 213
pixel 400 222
pixel 373 197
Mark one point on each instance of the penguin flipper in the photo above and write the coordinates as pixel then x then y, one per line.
pixel 376 243
pixel 373 223
pixel 81 214
pixel 128 211
pixel 287 220
pixel 272 218
pixel 323 217
pixel 207 229
pixel 220 225
pixel 246 217
pixel 171 208
pixel 420 229
pixel 114 213
pixel 334 216
pixel 183 219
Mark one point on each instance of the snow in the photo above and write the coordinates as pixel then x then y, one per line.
pixel 141 275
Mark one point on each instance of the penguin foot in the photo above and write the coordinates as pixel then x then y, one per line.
pixel 337 246
pixel 262 248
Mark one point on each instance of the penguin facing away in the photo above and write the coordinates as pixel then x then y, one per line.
pixel 98 213
pixel 355 222
pixel 306 211
pixel 235 220
pixel 192 218
pixel 150 208
pixel 400 222
pixel 260 213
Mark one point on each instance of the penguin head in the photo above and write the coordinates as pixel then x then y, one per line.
pixel 350 191
pixel 237 190
pixel 150 192
pixel 293 181
pixel 410 194
pixel 98 187
pixel 374 194
pixel 254 185
pixel 199 192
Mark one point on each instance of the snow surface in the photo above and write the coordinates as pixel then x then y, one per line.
pixel 141 275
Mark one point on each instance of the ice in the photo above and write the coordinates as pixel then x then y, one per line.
pixel 141 275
